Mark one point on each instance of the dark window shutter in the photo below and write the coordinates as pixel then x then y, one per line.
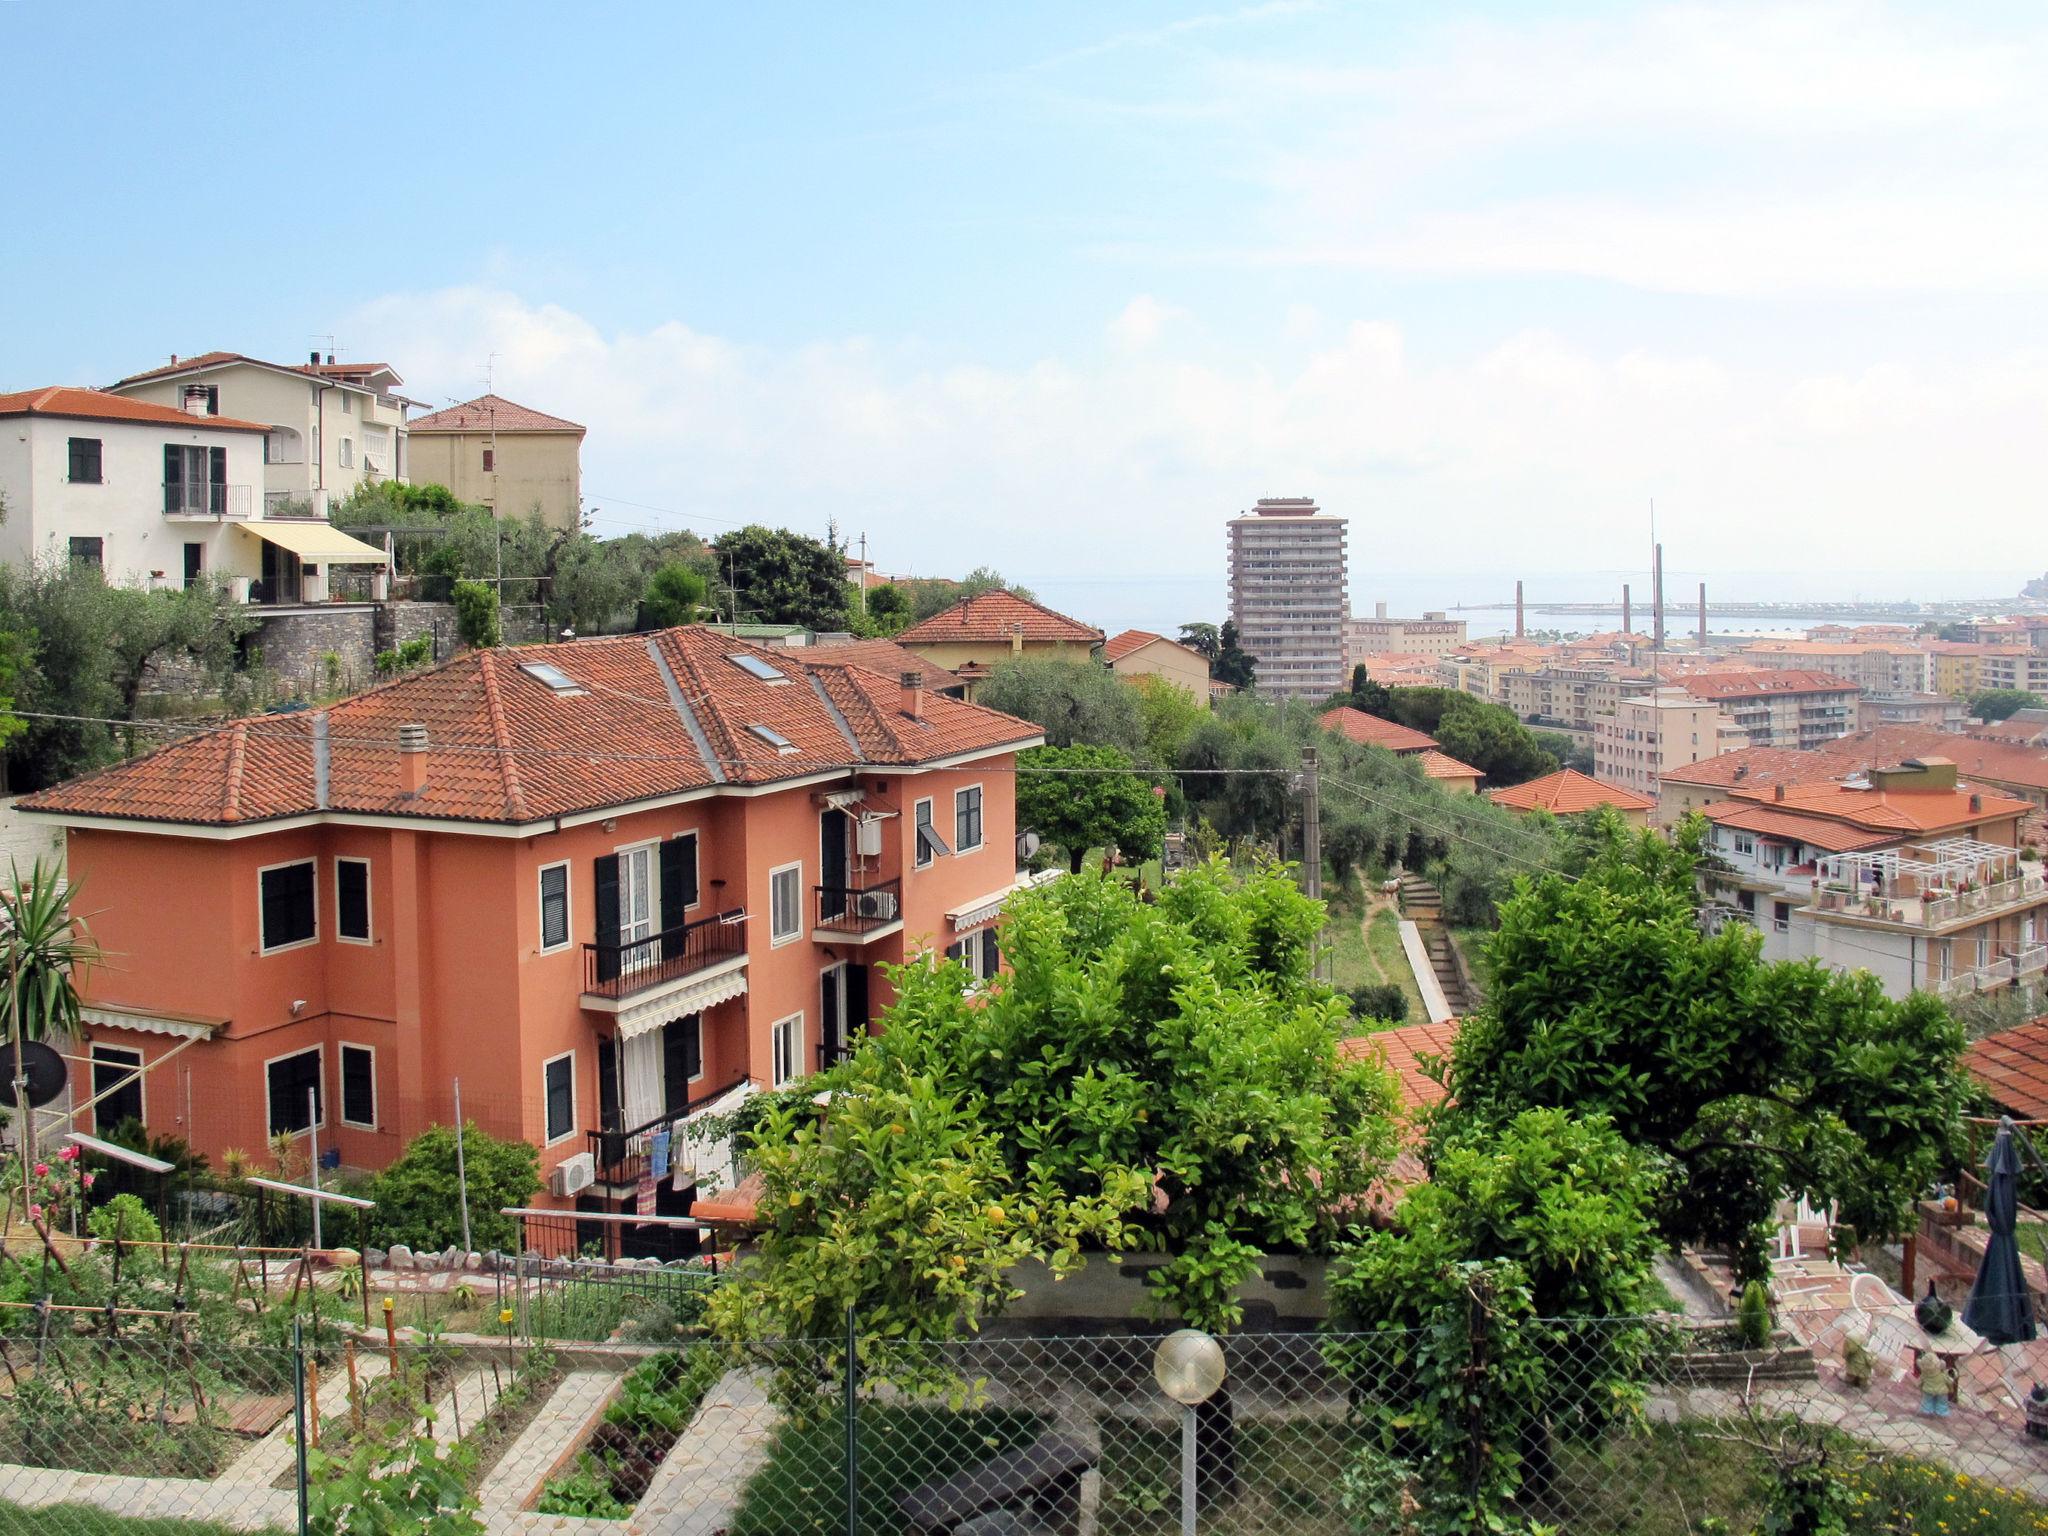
pixel 352 898
pixel 829 1022
pixel 856 1000
pixel 605 885
pixel 681 1060
pixel 678 890
pixel 217 479
pixel 607 1085
pixel 174 473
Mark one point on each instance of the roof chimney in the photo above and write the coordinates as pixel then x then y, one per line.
pixel 313 358
pixel 1976 804
pixel 913 694
pixel 330 359
pixel 1780 788
pixel 1016 639
pixel 412 759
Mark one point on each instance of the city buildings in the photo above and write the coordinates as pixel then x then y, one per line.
pixel 496 453
pixel 1568 698
pixel 158 496
pixel 1780 708
pixel 332 426
pixel 1568 792
pixel 1140 653
pixel 1907 872
pixel 1434 634
pixel 1933 711
pixel 1290 595
pixel 981 632
pixel 1652 733
pixel 1689 787
pixel 602 883
pixel 1876 666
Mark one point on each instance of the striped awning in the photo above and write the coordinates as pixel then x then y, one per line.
pixel 695 995
pixel 185 1026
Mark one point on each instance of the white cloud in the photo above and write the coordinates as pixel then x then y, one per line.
pixel 1534 454
pixel 1142 320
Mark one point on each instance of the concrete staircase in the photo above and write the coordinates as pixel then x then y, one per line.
pixel 1421 902
pixel 1437 940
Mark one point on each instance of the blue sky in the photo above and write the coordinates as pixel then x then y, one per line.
pixel 1059 288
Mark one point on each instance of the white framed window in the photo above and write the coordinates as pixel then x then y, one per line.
pixel 352 900
pixel 637 894
pixel 286 1082
pixel 348 451
pixel 558 1095
pixel 785 1049
pixel 348 403
pixel 967 819
pixel 978 952
pixel 929 845
pixel 359 1086
pixel 786 903
pixel 288 906
pixel 554 907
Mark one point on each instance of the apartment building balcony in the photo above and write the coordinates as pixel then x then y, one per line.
pixel 1952 879
pixel 687 967
pixel 623 1157
pixel 205 501
pixel 858 914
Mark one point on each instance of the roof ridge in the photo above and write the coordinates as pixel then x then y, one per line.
pixel 231 775
pixel 501 737
pixel 705 705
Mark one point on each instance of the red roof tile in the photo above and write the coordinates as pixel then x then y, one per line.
pixel 1769 765
pixel 1899 811
pixel 1374 731
pixel 1441 765
pixel 1567 792
pixel 1402 1050
pixel 885 658
pixel 1117 647
pixel 988 617
pixel 2009 762
pixel 2013 1067
pixel 646 716
pixel 1761 685
pixel 490 413
pixel 1815 831
pixel 98 405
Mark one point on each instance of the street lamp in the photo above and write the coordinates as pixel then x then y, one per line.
pixel 1188 1365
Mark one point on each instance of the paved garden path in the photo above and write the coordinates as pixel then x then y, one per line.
pixel 272 1456
pixel 463 1409
pixel 239 1507
pixel 698 1485
pixel 577 1399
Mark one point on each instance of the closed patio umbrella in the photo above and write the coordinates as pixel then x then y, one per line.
pixel 1999 1307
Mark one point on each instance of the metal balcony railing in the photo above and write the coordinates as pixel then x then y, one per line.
pixel 621 1156
pixel 619 970
pixel 205 498
pixel 850 909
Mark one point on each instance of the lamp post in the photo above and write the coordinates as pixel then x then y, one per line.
pixel 1188 1365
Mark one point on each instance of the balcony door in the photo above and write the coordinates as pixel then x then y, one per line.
pixel 842 1010
pixel 834 828
pixel 636 907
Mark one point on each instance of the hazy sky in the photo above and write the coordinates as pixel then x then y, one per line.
pixel 1059 288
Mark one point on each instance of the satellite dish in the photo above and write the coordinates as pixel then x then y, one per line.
pixel 1027 844
pixel 41 1065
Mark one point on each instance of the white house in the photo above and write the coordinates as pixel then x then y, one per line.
pixel 155 497
pixel 332 426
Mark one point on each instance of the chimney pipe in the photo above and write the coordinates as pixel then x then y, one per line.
pixel 913 694
pixel 1627 624
pixel 1518 610
pixel 412 759
pixel 1016 640
pixel 1657 598
pixel 330 359
pixel 1780 794
pixel 313 358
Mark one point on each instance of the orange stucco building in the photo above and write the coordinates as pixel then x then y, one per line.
pixel 602 883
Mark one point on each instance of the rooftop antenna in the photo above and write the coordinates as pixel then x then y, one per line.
pixel 490 374
pixel 1656 598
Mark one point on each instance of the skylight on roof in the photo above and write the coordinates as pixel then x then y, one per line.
pixel 756 668
pixel 558 681
pixel 774 738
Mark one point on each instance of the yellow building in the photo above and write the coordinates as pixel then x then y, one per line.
pixel 495 453
pixel 1140 653
pixel 980 633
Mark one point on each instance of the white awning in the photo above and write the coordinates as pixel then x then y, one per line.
pixel 840 799
pixel 185 1026
pixel 322 543
pixel 694 995
pixel 974 913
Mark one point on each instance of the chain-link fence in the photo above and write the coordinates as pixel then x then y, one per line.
pixel 1615 1426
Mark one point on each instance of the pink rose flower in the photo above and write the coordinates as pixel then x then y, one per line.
pixel 35 1213
pixel 87 1180
pixel 68 1154
pixel 42 1170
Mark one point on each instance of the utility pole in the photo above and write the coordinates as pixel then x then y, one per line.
pixel 1311 828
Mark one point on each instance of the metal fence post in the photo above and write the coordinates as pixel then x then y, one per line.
pixel 299 1410
pixel 852 1427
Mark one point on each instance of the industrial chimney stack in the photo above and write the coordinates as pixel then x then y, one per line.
pixel 1518 610
pixel 1657 599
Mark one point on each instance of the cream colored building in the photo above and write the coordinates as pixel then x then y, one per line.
pixel 1289 597
pixel 1434 634
pixel 1652 732
pixel 1568 698
pixel 1139 653
pixel 493 452
pixel 979 633
pixel 333 426
pixel 1873 666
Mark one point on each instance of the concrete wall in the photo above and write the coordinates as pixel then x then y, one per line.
pixel 25 839
pixel 1289 1292
pixel 542 469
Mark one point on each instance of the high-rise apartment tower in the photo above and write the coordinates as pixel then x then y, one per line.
pixel 1289 596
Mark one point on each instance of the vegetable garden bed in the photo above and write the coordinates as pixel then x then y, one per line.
pixel 622 1453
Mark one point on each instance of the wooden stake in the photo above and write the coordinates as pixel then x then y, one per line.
pixel 391 1338
pixel 355 1390
pixel 312 1402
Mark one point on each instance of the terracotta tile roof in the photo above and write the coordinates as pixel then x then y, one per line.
pixel 334 373
pixel 2009 762
pixel 883 657
pixel 2013 1067
pixel 505 746
pixel 1402 1050
pixel 1768 765
pixel 1567 792
pixel 98 405
pixel 1815 831
pixel 739 1205
pixel 486 412
pixel 1117 647
pixel 1441 765
pixel 1898 811
pixel 1765 684
pixel 1373 731
pixel 988 616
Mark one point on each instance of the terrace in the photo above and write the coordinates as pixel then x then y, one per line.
pixel 1927 887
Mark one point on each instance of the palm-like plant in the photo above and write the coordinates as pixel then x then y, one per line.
pixel 44 949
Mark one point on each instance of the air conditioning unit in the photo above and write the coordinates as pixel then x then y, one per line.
pixel 573 1175
pixel 876 904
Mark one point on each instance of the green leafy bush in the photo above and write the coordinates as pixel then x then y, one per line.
pixel 476 614
pixel 416 1194
pixel 1380 1000
pixel 1753 1315
pixel 125 1217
